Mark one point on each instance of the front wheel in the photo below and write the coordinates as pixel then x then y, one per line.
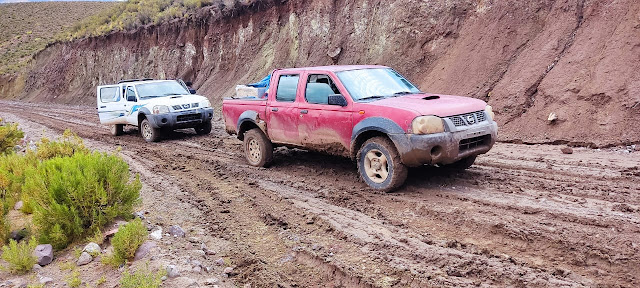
pixel 117 129
pixel 380 166
pixel 204 129
pixel 258 149
pixel 149 133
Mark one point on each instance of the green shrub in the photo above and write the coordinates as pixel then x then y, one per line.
pixel 74 280
pixel 10 136
pixel 5 228
pixel 77 195
pixel 20 255
pixel 142 278
pixel 126 241
pixel 66 146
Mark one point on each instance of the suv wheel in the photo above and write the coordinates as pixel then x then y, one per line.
pixel 149 133
pixel 380 166
pixel 204 129
pixel 257 148
pixel 117 129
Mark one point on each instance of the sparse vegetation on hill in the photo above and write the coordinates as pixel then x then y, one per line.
pixel 28 27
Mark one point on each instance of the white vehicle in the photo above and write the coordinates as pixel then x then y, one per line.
pixel 155 106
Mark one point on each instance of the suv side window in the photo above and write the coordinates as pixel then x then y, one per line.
pixel 109 94
pixel 130 92
pixel 319 87
pixel 287 87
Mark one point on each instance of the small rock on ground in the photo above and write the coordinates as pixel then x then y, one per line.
pixel 18 205
pixel 85 258
pixel 211 281
pixel 143 250
pixel 92 248
pixel 156 235
pixel 172 271
pixel 567 150
pixel 45 280
pixel 44 253
pixel 176 231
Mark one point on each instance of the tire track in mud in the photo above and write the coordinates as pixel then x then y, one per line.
pixel 529 218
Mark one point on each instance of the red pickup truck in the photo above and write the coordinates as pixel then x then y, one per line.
pixel 368 113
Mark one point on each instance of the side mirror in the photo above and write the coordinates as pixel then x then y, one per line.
pixel 192 91
pixel 337 99
pixel 132 98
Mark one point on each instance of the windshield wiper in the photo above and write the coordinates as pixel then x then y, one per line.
pixel 402 93
pixel 372 97
pixel 172 94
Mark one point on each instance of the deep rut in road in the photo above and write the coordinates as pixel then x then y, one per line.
pixel 522 216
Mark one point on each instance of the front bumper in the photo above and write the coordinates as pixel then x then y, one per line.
pixel 447 147
pixel 182 119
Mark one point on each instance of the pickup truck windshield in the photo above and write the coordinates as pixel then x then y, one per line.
pixel 375 83
pixel 160 89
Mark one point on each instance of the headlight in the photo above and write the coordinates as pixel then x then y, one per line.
pixel 427 125
pixel 205 103
pixel 489 111
pixel 160 109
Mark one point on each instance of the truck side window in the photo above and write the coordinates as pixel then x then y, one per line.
pixel 287 87
pixel 130 92
pixel 109 94
pixel 319 87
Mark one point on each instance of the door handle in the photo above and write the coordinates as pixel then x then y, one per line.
pixel 304 111
pixel 274 109
pixel 103 106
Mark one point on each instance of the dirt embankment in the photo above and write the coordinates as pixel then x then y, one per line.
pixel 576 58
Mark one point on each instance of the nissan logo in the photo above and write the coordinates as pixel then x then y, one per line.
pixel 185 106
pixel 470 119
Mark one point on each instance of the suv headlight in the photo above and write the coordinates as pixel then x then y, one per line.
pixel 159 109
pixel 427 125
pixel 205 103
pixel 489 111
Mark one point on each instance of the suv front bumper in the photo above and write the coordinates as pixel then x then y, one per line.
pixel 183 119
pixel 446 147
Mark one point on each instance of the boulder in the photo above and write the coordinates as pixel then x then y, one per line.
pixel 173 271
pixel 176 231
pixel 44 253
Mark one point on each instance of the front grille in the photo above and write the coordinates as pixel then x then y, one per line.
pixel 470 143
pixel 468 118
pixel 188 117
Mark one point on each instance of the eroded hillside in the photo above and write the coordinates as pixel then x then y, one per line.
pixel 576 58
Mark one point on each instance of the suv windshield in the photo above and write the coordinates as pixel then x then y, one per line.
pixel 160 89
pixel 375 83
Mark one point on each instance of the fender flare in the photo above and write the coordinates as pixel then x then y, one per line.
pixel 142 113
pixel 379 124
pixel 252 117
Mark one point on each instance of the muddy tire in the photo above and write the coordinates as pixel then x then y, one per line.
pixel 462 164
pixel 117 129
pixel 204 129
pixel 149 133
pixel 380 166
pixel 258 149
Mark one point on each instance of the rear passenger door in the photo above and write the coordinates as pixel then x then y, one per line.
pixel 322 126
pixel 282 111
pixel 111 109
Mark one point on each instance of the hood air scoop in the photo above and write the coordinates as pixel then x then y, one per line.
pixel 432 97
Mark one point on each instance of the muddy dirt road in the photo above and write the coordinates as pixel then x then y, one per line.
pixel 522 216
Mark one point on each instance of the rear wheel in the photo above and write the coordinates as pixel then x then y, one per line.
pixel 380 166
pixel 462 164
pixel 258 149
pixel 149 133
pixel 117 129
pixel 204 129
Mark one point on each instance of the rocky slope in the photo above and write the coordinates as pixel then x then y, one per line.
pixel 576 58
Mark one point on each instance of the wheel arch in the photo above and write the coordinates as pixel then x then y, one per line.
pixel 373 127
pixel 248 120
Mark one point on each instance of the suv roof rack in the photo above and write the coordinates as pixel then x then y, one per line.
pixel 134 80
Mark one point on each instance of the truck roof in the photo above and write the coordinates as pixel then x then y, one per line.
pixel 334 68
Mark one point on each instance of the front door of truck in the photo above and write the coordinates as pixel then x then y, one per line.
pixel 283 111
pixel 110 105
pixel 322 126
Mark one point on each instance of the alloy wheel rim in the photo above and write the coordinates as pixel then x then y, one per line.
pixel 146 131
pixel 254 150
pixel 376 166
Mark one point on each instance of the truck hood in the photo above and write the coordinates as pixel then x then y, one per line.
pixel 433 104
pixel 175 100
